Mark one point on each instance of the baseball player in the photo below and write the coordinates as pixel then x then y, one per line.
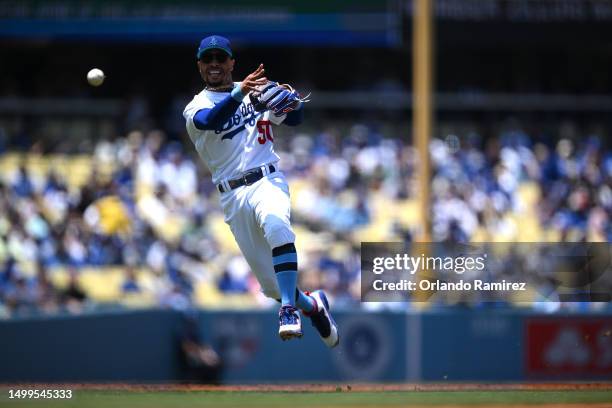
pixel 233 135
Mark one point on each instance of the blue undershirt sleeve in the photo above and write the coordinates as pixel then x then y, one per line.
pixel 214 118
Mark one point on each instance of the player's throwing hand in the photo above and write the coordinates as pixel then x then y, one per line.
pixel 254 80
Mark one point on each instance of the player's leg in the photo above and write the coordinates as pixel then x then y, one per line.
pixel 304 302
pixel 255 249
pixel 272 205
pixel 322 319
pixel 270 201
pixel 284 260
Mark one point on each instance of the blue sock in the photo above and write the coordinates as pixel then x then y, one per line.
pixel 303 301
pixel 284 259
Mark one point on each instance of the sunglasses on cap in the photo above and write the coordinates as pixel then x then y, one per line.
pixel 208 57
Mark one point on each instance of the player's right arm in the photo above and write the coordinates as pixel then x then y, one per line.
pixel 215 117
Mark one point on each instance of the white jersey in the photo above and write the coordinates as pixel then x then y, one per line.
pixel 244 142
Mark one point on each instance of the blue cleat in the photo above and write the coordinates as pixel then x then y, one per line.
pixel 322 320
pixel 290 323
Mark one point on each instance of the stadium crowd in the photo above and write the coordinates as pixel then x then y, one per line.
pixel 477 186
pixel 148 203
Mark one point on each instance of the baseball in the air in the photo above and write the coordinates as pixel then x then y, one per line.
pixel 95 77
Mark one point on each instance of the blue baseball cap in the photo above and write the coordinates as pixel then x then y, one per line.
pixel 214 42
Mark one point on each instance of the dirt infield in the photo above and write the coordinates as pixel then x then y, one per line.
pixel 327 387
pixel 401 387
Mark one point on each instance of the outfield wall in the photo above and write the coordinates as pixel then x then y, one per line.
pixel 452 345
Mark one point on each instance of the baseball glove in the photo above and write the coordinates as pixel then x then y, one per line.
pixel 278 98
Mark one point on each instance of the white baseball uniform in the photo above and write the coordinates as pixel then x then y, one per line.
pixel 258 214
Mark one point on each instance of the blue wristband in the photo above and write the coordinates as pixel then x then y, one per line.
pixel 237 94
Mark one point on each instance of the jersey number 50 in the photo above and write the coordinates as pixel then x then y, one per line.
pixel 265 131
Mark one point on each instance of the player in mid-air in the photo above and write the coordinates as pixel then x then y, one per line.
pixel 233 135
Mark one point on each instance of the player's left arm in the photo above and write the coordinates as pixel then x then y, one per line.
pixel 284 103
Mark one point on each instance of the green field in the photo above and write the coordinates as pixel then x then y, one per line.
pixel 186 399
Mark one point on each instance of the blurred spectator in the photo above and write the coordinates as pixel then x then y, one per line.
pixel 73 296
pixel 130 283
pixel 22 185
pixel 235 277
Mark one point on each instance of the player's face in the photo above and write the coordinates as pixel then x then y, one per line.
pixel 216 68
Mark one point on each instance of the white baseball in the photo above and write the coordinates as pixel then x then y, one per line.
pixel 95 77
